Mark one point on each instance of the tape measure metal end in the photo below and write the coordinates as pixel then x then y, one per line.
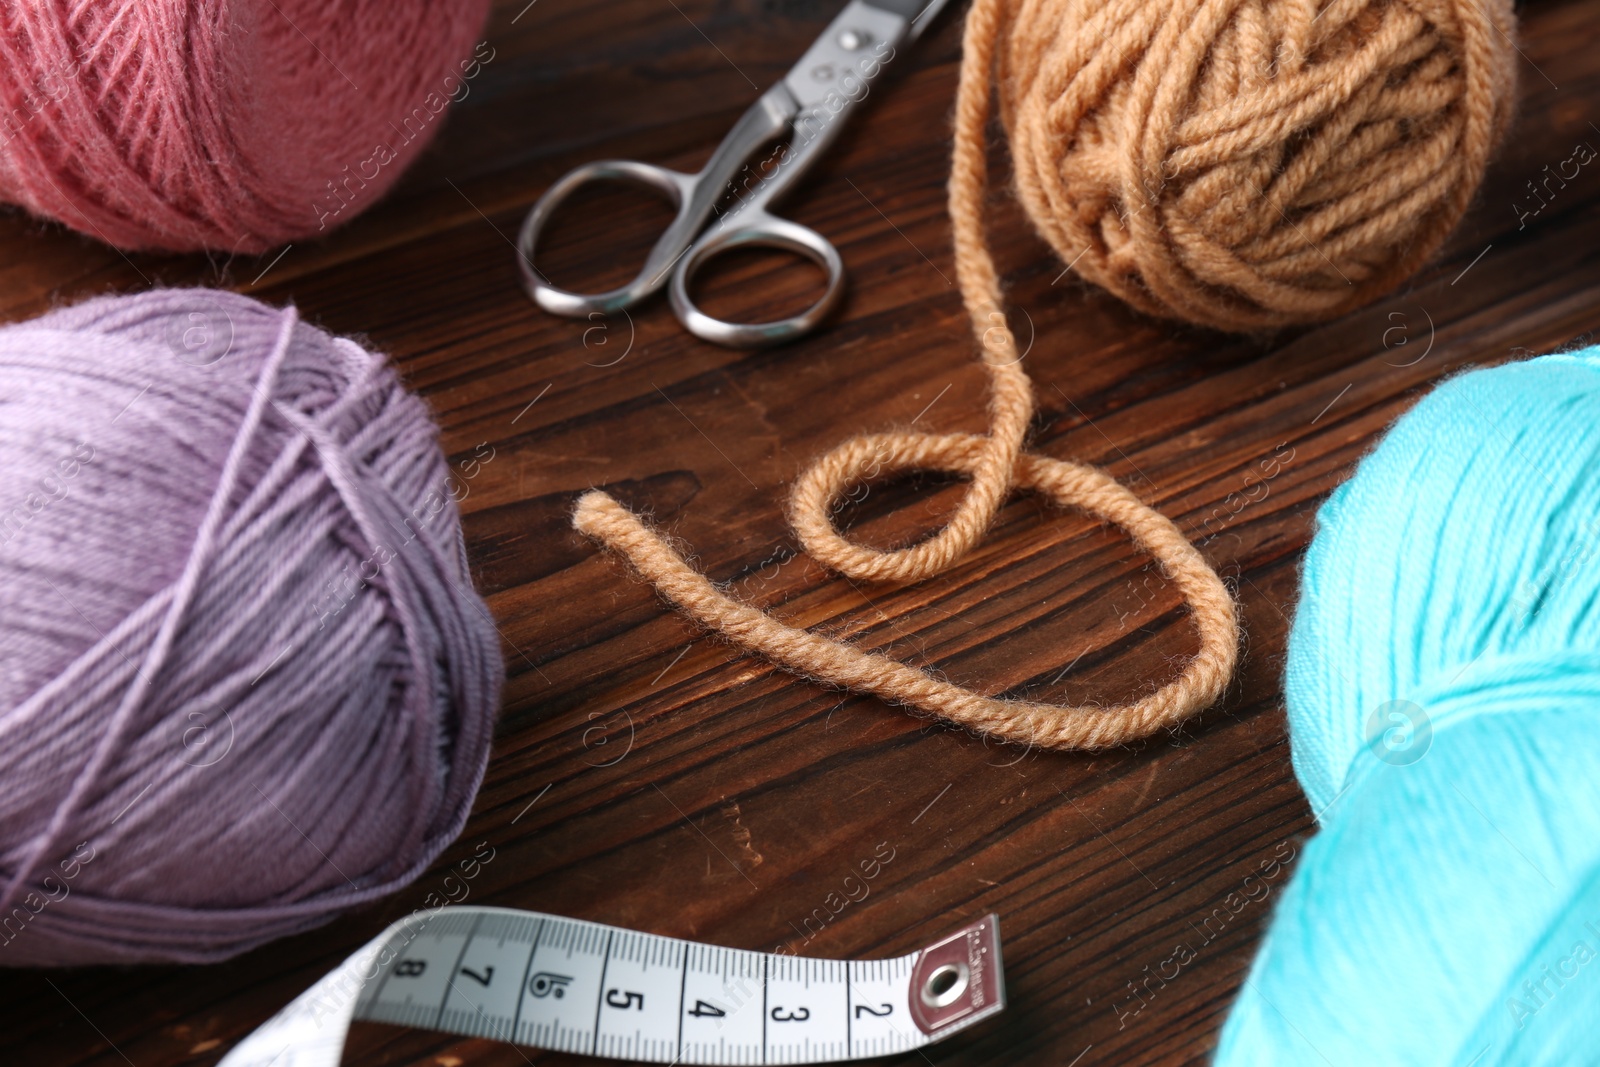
pixel 959 980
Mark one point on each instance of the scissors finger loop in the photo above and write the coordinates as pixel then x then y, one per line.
pixel 676 187
pixel 765 231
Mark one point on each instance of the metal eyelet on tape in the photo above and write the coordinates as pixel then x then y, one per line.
pixel 574 986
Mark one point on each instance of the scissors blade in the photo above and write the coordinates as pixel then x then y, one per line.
pixel 918 12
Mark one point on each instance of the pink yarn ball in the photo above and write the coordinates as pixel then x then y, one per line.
pixel 233 125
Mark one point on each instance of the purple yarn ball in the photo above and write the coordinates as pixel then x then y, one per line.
pixel 245 682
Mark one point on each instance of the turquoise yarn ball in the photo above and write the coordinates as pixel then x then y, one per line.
pixel 1443 697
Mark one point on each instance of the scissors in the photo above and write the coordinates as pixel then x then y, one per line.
pixel 810 105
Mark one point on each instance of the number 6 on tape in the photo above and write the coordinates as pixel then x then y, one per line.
pixel 577 986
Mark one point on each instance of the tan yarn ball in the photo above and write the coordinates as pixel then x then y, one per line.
pixel 1246 164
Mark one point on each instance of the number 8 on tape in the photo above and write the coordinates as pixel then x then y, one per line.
pixel 581 987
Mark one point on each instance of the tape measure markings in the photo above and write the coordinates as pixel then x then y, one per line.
pixel 637 966
pixel 591 989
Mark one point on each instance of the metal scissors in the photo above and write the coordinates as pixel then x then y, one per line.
pixel 810 105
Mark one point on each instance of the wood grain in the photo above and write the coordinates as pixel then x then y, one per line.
pixel 646 775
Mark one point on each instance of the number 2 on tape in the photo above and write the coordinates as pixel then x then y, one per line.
pixel 581 987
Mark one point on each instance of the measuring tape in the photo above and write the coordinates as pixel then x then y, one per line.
pixel 575 986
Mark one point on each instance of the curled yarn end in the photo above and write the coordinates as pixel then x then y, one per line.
pixel 603 518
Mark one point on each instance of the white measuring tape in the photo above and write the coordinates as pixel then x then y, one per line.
pixel 576 986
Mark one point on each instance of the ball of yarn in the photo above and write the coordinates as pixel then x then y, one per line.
pixel 1250 165
pixel 1444 711
pixel 236 125
pixel 245 682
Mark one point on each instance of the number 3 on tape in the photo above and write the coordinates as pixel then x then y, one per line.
pixel 577 986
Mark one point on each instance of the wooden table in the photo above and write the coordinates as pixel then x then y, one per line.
pixel 649 776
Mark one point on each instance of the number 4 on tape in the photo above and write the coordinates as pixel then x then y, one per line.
pixel 581 987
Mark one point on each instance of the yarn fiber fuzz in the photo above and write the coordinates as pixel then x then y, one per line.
pixel 245 682
pixel 1443 697
pixel 1250 165
pixel 235 125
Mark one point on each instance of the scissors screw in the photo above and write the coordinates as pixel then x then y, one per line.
pixel 854 40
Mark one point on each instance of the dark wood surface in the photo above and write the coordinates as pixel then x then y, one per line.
pixel 648 776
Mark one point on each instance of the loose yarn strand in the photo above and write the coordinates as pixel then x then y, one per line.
pixel 995 465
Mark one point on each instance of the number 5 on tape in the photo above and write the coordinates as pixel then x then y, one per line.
pixel 581 987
